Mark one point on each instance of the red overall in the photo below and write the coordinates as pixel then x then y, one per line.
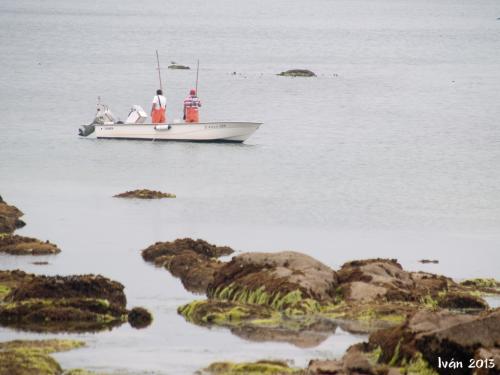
pixel 191 108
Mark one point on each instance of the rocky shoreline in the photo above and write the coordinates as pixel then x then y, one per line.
pixel 414 320
pixel 289 296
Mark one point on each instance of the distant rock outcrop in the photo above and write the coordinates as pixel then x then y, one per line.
pixel 145 194
pixel 297 73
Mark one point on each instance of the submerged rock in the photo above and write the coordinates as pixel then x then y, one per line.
pixel 9 217
pixel 60 303
pixel 145 194
pixel 32 357
pixel 20 245
pixel 251 368
pixel 297 73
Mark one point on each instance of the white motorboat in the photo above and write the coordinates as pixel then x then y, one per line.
pixel 106 126
pixel 194 132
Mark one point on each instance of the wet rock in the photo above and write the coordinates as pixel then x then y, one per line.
pixel 145 194
pixel 461 301
pixel 297 73
pixel 178 66
pixel 198 247
pixel 139 317
pixel 429 336
pixel 193 261
pixel 83 303
pixel 286 281
pixel 9 217
pixel 385 279
pixel 461 341
pixel 399 344
pixel 40 263
pixel 20 245
pixel 251 368
pixel 32 357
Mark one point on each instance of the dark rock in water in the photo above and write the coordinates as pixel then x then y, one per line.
pixel 139 317
pixel 20 245
pixel 40 263
pixel 9 218
pixel 179 246
pixel 426 261
pixel 190 260
pixel 83 303
pixel 179 66
pixel 460 300
pixel 297 73
pixel 145 194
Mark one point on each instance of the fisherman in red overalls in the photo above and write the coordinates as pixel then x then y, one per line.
pixel 191 107
pixel 158 108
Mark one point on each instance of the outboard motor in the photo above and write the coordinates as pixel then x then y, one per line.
pixel 86 130
pixel 103 116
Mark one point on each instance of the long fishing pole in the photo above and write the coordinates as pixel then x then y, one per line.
pixel 159 71
pixel 197 71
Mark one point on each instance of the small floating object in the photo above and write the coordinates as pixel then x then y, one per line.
pixel 179 66
pixel 145 194
pixel 425 261
pixel 297 73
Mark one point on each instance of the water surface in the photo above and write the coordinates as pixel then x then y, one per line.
pixel 392 151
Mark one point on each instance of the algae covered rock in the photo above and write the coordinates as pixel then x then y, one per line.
pixel 83 303
pixel 428 336
pixel 285 280
pixel 32 357
pixel 251 368
pixel 488 286
pixel 20 245
pixel 144 194
pixel 9 217
pixel 297 73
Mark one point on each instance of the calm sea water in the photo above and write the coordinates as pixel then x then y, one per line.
pixel 392 151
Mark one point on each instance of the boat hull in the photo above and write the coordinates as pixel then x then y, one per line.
pixel 235 132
